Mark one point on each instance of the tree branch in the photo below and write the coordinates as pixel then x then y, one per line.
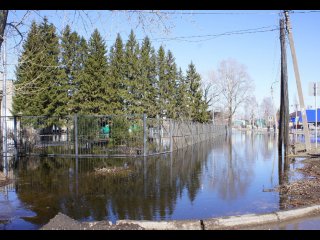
pixel 16 28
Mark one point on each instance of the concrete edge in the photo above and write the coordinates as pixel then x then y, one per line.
pixel 238 221
pixel 226 222
pixel 297 213
pixel 165 225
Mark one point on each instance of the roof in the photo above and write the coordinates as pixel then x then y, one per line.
pixel 311 116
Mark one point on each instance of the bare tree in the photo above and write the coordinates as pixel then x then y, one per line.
pixel 250 109
pixel 211 94
pixel 234 85
pixel 148 20
pixel 266 108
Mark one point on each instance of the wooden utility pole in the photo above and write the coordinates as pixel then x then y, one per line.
pixel 283 136
pixel 297 76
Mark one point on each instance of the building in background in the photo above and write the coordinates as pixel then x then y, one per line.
pixel 9 93
pixel 311 118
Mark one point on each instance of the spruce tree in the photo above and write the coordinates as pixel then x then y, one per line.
pixel 170 85
pixel 117 88
pixel 197 104
pixel 182 99
pixel 40 88
pixel 161 82
pixel 148 78
pixel 56 95
pixel 133 76
pixel 76 74
pixel 92 93
pixel 26 77
pixel 73 48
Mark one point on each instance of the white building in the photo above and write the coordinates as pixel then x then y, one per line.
pixel 9 95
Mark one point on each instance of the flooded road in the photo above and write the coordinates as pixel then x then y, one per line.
pixel 229 176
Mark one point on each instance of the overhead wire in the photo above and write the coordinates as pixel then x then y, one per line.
pixel 214 12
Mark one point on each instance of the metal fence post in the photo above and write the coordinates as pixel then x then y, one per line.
pixel 171 135
pixel 159 134
pixel 192 133
pixel 145 147
pixel 76 134
pixel 15 139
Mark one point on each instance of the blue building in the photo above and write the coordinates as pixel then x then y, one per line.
pixel 311 116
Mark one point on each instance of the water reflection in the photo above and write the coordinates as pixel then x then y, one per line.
pixel 223 177
pixel 151 186
pixel 232 174
pixel 283 168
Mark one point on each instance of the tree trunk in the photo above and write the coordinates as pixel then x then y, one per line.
pixel 3 23
pixel 230 122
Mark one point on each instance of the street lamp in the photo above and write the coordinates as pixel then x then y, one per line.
pixel 275 112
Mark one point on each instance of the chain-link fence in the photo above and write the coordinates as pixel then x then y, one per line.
pixel 102 136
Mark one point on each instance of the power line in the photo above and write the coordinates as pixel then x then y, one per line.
pixel 182 12
pixel 311 11
pixel 212 36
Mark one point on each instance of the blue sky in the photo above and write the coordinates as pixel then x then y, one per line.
pixel 258 51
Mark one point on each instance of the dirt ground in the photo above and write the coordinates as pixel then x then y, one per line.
pixel 63 222
pixel 303 192
pixel 3 180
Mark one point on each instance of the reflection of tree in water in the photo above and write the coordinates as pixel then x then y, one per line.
pixel 251 148
pixel 259 143
pixel 266 146
pixel 283 174
pixel 231 172
pixel 149 191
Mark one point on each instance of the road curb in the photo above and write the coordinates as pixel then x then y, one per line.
pixel 230 222
pixel 297 213
pixel 237 221
pixel 165 225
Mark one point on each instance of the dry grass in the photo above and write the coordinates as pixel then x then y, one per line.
pixel 305 191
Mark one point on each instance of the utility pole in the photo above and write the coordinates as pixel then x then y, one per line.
pixel 284 106
pixel 316 112
pixel 296 120
pixel 297 76
pixel 4 112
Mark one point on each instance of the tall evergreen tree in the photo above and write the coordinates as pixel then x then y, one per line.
pixel 26 82
pixel 182 97
pixel 170 85
pixel 40 88
pixel 148 78
pixel 76 77
pixel 92 93
pixel 133 76
pixel 117 87
pixel 198 106
pixel 57 82
pixel 161 82
pixel 78 70
pixel 73 49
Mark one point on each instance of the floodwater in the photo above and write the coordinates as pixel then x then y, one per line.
pixel 229 176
